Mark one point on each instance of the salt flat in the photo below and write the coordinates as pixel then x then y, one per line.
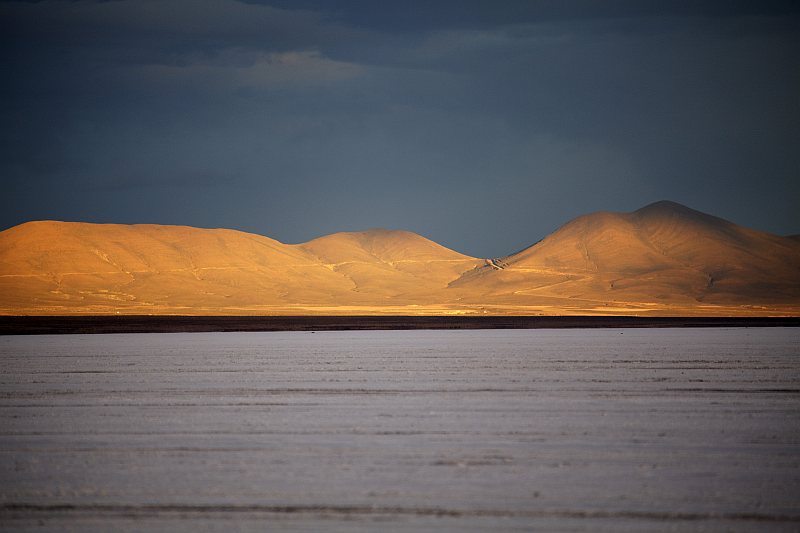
pixel 558 430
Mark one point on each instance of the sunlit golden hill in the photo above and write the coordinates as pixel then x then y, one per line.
pixel 67 267
pixel 664 256
pixel 391 265
pixel 664 259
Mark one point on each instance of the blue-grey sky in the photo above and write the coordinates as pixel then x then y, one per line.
pixel 481 124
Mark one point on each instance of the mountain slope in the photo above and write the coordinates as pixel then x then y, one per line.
pixel 664 252
pixel 391 263
pixel 50 266
pixel 46 264
pixel 662 259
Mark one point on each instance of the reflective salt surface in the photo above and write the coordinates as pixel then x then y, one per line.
pixel 557 430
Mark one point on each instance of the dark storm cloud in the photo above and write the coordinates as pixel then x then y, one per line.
pixel 481 125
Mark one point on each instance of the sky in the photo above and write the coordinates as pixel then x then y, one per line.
pixel 483 125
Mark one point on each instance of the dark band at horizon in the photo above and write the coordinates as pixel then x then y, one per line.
pixel 44 325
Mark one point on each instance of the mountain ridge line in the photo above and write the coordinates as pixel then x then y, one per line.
pixel 664 259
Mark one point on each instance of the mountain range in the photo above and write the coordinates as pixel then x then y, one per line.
pixel 664 259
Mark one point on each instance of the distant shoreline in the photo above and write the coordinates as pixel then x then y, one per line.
pixel 44 325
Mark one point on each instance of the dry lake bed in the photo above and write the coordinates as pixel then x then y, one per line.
pixel 550 430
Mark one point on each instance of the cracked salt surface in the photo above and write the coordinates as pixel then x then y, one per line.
pixel 558 430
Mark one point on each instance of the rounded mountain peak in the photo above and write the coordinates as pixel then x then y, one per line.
pixel 669 208
pixel 379 244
